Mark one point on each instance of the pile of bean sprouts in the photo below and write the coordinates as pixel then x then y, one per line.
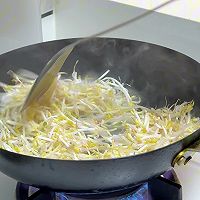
pixel 88 119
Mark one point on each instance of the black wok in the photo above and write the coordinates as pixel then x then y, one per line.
pixel 157 73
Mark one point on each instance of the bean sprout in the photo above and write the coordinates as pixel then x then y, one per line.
pixel 88 119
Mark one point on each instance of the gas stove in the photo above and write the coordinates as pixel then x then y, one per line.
pixel 165 187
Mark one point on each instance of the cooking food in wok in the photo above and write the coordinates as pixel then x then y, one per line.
pixel 87 118
pixel 158 75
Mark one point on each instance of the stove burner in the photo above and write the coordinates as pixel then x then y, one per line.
pixel 164 187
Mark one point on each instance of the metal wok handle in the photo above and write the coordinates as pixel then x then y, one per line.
pixel 186 155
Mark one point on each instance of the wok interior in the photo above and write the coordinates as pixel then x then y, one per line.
pixel 157 74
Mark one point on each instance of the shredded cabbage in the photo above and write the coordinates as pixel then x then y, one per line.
pixel 88 119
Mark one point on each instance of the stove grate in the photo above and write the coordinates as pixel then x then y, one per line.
pixel 164 187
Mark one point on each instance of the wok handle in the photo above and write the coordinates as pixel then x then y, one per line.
pixel 186 155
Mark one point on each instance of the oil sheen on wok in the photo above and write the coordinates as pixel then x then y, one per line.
pixel 85 119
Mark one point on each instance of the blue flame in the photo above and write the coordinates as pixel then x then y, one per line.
pixel 140 194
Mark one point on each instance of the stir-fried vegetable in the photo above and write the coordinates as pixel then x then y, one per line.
pixel 88 119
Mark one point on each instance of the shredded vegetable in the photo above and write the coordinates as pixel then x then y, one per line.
pixel 88 119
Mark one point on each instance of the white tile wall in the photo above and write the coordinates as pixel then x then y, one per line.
pixel 75 18
pixel 20 24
